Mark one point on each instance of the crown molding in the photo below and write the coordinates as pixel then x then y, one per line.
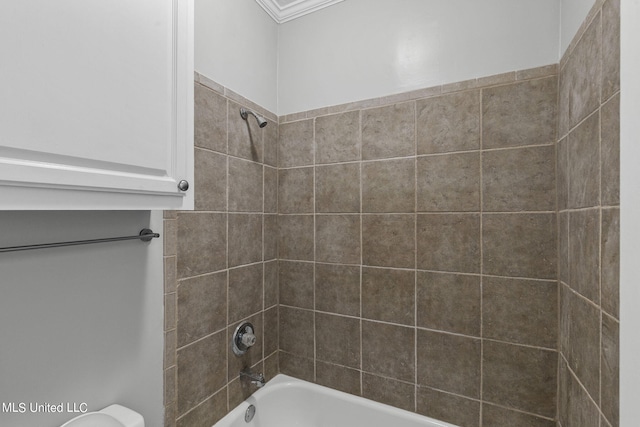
pixel 294 9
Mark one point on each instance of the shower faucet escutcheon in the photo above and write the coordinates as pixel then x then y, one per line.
pixel 243 338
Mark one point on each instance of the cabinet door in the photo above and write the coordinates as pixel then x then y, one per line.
pixel 96 104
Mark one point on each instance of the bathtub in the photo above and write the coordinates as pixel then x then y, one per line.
pixel 289 402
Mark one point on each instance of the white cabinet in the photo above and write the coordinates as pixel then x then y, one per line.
pixel 96 104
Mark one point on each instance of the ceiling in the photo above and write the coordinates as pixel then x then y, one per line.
pixel 286 10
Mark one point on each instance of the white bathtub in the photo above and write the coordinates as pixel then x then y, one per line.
pixel 289 402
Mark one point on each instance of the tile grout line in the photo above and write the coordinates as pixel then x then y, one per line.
pixel 313 190
pixel 559 233
pixel 264 202
pixel 360 185
pixel 227 279
pixel 415 261
pixel 600 352
pixel 480 130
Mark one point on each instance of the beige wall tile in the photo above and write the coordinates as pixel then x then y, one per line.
pixel 581 78
pixel 245 291
pixel 610 48
pixel 449 362
pixel 296 283
pixel 338 339
pixel 295 190
pixel 170 274
pixel 388 350
pixel 534 73
pixel 448 302
pixel 498 416
pixel 202 243
pixel 388 186
pixel 170 311
pixel 610 152
pixel 338 239
pixel 337 289
pixel 245 239
pixel 610 365
pixel 270 135
pixel 521 179
pixel 388 295
pixel 388 240
pixel 584 166
pixel 170 238
pixel 388 131
pixel 271 292
pixel 520 377
pixel 610 262
pixel 520 311
pixel 170 347
pixel 582 339
pixel 271 365
pixel 270 190
pixel 296 237
pixel 210 181
pixel 388 391
pixel 295 144
pixel 338 138
pixel 297 366
pixel 245 186
pixel 562 174
pixel 520 245
pixel 296 332
pixel 449 123
pixel 338 377
pixel 202 307
pixel 563 247
pixel 518 114
pixel 448 183
pixel 584 250
pixel 575 406
pixel 208 412
pixel 270 237
pixel 448 407
pixel 269 332
pixel 449 242
pixel 210 119
pixel 202 370
pixel 338 188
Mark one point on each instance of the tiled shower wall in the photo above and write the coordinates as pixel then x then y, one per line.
pixel 418 249
pixel 589 216
pixel 220 261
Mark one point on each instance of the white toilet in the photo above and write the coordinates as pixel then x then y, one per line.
pixel 111 416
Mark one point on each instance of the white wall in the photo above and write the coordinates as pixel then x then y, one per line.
pixel 629 214
pixel 572 14
pixel 80 324
pixel 360 49
pixel 236 45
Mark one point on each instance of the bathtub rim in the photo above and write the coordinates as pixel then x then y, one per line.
pixel 282 381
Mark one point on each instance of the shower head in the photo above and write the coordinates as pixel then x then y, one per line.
pixel 261 121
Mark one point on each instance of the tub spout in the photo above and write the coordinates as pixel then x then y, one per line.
pixel 255 378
